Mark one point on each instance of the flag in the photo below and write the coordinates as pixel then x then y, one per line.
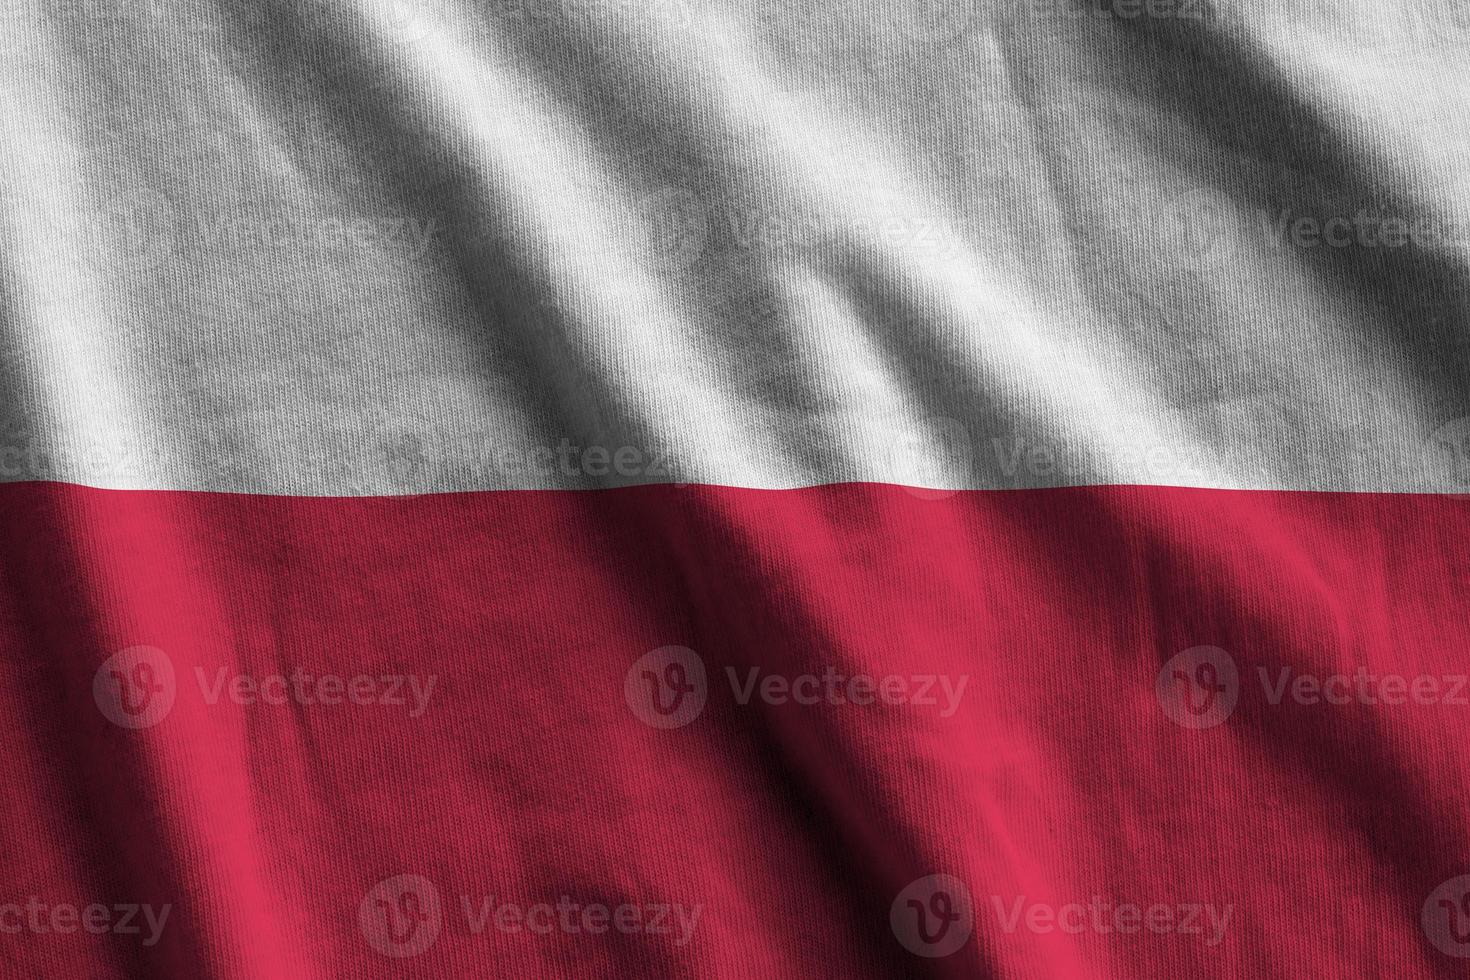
pixel 706 488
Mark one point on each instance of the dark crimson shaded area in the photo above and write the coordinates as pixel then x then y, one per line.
pixel 1059 778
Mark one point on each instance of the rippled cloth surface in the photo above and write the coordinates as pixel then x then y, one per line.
pixel 718 488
